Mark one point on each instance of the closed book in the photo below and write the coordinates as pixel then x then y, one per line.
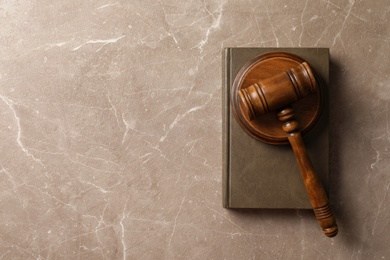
pixel 260 175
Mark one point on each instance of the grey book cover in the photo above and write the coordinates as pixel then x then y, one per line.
pixel 259 175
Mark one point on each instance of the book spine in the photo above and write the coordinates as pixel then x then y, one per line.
pixel 225 127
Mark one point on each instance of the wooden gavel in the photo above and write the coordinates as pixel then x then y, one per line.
pixel 276 94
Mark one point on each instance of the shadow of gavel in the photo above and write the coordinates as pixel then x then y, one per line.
pixel 276 94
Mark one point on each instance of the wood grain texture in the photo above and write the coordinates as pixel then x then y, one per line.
pixel 314 188
pixel 262 70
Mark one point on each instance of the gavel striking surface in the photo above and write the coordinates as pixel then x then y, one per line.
pixel 267 128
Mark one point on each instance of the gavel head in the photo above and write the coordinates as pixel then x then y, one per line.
pixel 277 92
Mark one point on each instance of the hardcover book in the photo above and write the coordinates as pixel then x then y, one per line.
pixel 259 175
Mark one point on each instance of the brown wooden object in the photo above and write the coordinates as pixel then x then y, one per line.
pixel 265 95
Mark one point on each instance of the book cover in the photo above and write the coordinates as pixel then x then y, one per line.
pixel 259 175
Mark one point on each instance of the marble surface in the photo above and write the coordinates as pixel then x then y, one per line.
pixel 110 129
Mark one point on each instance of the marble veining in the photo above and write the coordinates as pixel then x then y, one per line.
pixel 111 129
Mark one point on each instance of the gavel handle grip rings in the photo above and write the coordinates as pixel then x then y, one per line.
pixel 314 188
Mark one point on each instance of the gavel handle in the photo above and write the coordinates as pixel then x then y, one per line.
pixel 314 188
